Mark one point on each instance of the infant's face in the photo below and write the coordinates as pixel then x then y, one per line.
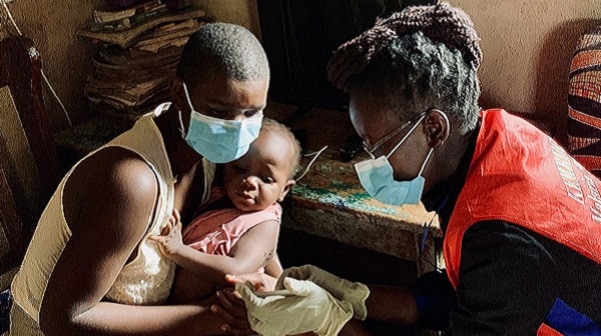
pixel 262 176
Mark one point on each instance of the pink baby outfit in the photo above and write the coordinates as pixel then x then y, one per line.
pixel 217 231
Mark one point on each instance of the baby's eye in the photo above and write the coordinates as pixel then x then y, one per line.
pixel 268 179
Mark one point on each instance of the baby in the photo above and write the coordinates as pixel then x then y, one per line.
pixel 238 228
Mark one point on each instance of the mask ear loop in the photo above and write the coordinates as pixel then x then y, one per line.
pixel 446 118
pixel 421 170
pixel 181 121
pixel 188 96
pixel 405 137
pixel 315 156
pixel 181 125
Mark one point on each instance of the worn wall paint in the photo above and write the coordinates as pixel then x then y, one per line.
pixel 527 46
pixel 233 11
pixel 65 56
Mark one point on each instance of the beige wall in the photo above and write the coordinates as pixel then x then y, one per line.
pixel 242 12
pixel 527 46
pixel 65 56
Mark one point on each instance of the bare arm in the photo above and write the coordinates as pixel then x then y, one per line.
pixel 250 253
pixel 107 204
pixel 392 304
pixel 274 267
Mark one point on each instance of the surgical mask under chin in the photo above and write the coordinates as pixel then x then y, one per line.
pixel 219 140
pixel 377 178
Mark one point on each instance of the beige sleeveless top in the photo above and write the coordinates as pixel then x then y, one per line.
pixel 147 279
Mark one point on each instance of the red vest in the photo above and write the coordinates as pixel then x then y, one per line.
pixel 520 175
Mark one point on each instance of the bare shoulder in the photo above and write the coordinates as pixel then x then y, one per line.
pixel 114 180
pixel 270 225
pixel 108 203
pixel 262 234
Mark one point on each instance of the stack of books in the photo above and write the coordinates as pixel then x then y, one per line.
pixel 137 55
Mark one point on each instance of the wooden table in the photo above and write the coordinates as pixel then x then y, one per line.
pixel 329 201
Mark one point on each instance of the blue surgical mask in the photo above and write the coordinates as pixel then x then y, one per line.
pixel 219 140
pixel 377 178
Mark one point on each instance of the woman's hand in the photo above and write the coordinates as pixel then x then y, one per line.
pixel 231 309
pixel 231 306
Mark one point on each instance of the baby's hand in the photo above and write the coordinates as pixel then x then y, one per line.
pixel 170 240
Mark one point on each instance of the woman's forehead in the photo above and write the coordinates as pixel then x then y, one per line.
pixel 370 117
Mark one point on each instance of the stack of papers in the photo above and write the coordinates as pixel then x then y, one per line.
pixel 133 67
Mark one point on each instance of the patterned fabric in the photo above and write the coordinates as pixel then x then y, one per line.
pixel 5 304
pixel 584 102
pixel 566 320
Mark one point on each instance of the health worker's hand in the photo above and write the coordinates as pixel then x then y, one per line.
pixel 306 308
pixel 354 293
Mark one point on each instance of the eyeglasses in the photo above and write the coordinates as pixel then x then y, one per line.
pixel 369 149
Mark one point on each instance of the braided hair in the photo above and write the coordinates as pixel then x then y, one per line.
pixel 420 58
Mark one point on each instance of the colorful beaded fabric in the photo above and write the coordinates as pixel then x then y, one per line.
pixel 584 102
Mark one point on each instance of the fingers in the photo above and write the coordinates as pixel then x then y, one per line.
pixel 279 284
pixel 297 287
pixel 234 279
pixel 160 241
pixel 228 296
pixel 247 293
pixel 231 309
pixel 157 239
pixel 260 326
pixel 223 313
pixel 231 306
pixel 232 330
pixel 176 215
pixel 260 281
pixel 253 278
pixel 288 273
pixel 303 272
pixel 173 222
pixel 166 230
pixel 298 272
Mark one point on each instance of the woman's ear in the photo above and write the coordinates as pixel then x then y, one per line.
pixel 176 90
pixel 286 189
pixel 438 127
